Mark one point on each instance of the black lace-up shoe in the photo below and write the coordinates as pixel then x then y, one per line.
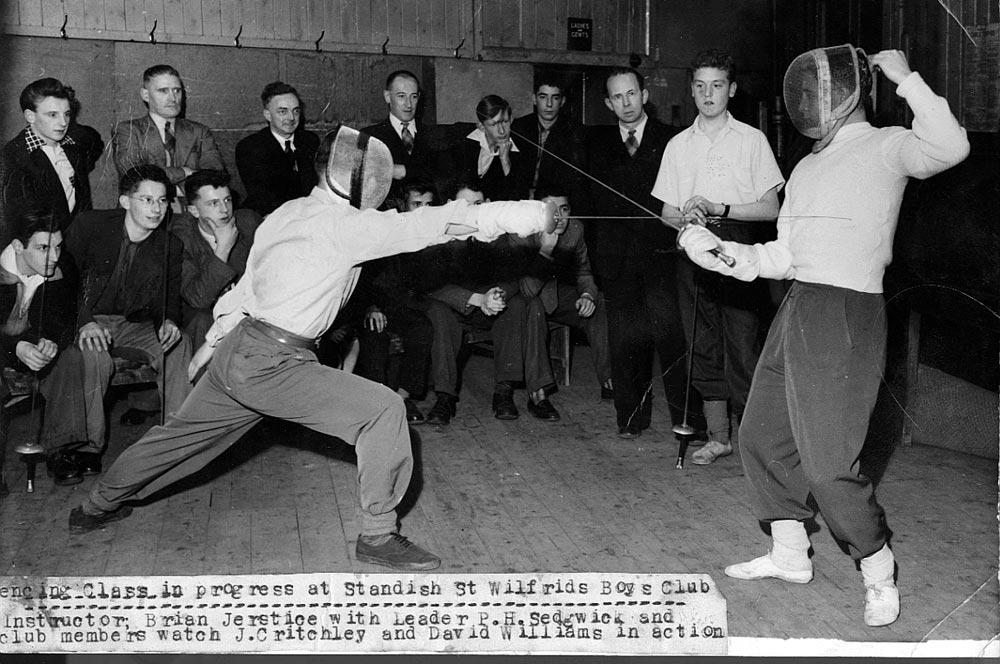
pixel 503 405
pixel 413 414
pixel 443 409
pixel 81 522
pixel 63 470
pixel 543 410
pixel 394 551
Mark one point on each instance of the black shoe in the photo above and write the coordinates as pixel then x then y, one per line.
pixel 443 409
pixel 503 406
pixel 413 414
pixel 134 416
pixel 81 522
pixel 607 393
pixel 543 410
pixel 63 470
pixel 629 431
pixel 396 552
pixel 89 463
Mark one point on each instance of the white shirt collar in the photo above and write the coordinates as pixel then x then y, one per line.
pixel 281 139
pixel 397 125
pixel 8 261
pixel 486 153
pixel 161 122
pixel 639 129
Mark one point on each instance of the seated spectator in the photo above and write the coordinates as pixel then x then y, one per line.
pixel 394 316
pixel 475 300
pixel 556 269
pixel 44 165
pixel 217 241
pixel 38 290
pixel 130 275
pixel 276 163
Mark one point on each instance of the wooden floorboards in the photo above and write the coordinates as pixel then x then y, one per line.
pixel 528 496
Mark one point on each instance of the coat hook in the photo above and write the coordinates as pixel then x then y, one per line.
pixel 385 51
pixel 62 30
pixel 459 48
pixel 236 39
pixel 152 33
pixel 319 40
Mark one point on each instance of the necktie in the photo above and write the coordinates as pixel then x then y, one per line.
pixel 631 144
pixel 543 134
pixel 291 155
pixel 169 142
pixel 67 176
pixel 407 137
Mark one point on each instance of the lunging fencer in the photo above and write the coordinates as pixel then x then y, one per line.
pixel 302 268
pixel 815 385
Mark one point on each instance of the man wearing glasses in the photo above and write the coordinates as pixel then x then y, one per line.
pixel 125 265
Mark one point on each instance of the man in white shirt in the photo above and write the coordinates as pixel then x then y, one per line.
pixel 815 386
pixel 302 268
pixel 721 168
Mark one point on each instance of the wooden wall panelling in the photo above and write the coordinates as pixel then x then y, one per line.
pixel 211 18
pixel 231 18
pixel 29 12
pixel 114 15
pixel 173 17
pixel 546 33
pixel 93 15
pixel 298 21
pixel 135 15
pixel 193 18
pixel 154 13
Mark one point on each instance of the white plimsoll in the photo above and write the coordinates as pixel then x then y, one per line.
pixel 881 604
pixel 764 568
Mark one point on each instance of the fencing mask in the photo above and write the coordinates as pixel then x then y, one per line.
pixel 823 87
pixel 359 168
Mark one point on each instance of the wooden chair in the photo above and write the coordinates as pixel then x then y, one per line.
pixel 560 346
pixel 16 387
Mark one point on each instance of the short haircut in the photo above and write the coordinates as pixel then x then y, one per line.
pixel 715 59
pixel 624 71
pixel 401 73
pixel 490 106
pixel 158 70
pixel 466 182
pixel 550 79
pixel 417 186
pixel 272 90
pixel 35 92
pixel 206 177
pixel 547 189
pixel 33 220
pixel 135 176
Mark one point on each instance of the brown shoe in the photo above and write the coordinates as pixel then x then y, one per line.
pixel 396 552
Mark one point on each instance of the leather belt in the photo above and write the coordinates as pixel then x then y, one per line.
pixel 282 335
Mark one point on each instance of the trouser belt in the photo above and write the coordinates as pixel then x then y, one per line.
pixel 282 335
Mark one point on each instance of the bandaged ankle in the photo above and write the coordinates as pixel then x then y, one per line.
pixel 790 548
pixel 879 566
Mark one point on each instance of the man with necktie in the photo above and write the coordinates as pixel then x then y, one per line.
pixel 162 137
pixel 275 163
pixel 634 255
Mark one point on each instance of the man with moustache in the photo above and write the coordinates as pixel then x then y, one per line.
pixel 275 163
pixel 162 137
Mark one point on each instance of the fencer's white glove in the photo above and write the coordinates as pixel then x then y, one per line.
pixel 523 218
pixel 698 243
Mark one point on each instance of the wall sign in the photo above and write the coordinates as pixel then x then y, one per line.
pixel 579 33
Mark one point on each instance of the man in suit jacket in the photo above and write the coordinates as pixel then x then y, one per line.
pixel 635 256
pixel 217 241
pixel 405 137
pixel 560 138
pixel 555 268
pixel 177 145
pixel 43 165
pixel 130 276
pixel 276 163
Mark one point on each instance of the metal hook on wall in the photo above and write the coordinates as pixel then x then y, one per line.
pixel 319 40
pixel 236 39
pixel 152 33
pixel 459 48
pixel 385 51
pixel 62 30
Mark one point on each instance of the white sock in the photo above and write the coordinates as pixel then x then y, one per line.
pixel 879 566
pixel 790 545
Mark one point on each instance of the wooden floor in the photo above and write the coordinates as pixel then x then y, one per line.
pixel 526 496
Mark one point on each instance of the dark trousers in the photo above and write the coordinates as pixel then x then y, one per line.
pixel 252 375
pixel 74 388
pixel 643 317
pixel 417 335
pixel 805 423
pixel 726 346
pixel 595 327
pixel 520 348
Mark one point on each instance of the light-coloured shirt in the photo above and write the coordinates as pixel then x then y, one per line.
pixel 8 261
pixel 397 125
pixel 282 140
pixel 841 206
pixel 487 153
pixel 640 129
pixel 64 169
pixel 737 167
pixel 305 259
